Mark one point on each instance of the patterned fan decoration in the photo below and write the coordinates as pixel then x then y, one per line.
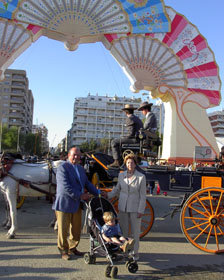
pixel 14 38
pixel 7 7
pixel 179 58
pixel 90 17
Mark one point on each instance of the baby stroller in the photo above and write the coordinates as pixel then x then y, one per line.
pixel 98 246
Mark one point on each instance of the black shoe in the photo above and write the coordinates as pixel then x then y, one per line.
pixel 75 252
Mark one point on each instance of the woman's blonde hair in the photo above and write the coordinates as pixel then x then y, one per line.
pixel 130 156
pixel 108 216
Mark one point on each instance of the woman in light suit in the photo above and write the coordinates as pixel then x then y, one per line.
pixel 131 192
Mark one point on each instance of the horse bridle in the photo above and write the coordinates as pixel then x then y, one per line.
pixel 5 165
pixel 4 171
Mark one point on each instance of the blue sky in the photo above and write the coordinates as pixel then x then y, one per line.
pixel 57 76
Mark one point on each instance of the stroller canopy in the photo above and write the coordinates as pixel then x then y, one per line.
pixel 98 207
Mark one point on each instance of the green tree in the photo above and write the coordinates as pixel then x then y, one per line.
pixel 9 138
pixel 89 146
pixel 104 145
pixel 92 145
pixel 32 145
pixel 29 143
pixel 84 146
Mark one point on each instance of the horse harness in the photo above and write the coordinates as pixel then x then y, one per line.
pixel 5 166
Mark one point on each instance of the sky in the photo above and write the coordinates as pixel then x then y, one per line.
pixel 57 76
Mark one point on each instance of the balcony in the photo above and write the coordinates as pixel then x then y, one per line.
pixel 13 122
pixel 16 115
pixel 17 99
pixel 18 77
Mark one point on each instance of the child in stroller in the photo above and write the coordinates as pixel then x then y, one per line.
pixel 99 246
pixel 111 232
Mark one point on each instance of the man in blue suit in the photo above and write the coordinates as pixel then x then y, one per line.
pixel 71 183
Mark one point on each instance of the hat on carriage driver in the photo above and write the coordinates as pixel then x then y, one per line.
pixel 128 107
pixel 145 105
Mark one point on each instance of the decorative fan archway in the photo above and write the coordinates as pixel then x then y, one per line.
pixel 179 58
pixel 159 50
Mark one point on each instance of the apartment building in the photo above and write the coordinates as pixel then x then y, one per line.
pixel 16 100
pixel 96 117
pixel 42 131
pixel 217 122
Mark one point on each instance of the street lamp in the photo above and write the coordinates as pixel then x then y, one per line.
pixel 18 149
pixel 109 143
pixel 1 138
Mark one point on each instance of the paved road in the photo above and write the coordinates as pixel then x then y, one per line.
pixel 164 252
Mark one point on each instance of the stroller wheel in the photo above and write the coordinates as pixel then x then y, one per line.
pixel 132 267
pixel 108 270
pixel 89 259
pixel 114 272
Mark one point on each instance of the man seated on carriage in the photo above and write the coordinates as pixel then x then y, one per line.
pixel 133 124
pixel 150 124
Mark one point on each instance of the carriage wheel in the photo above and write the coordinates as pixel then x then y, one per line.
pixel 20 201
pixel 127 152
pixel 202 219
pixel 197 222
pixel 147 218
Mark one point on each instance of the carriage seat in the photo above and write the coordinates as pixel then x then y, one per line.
pixel 161 168
pixel 206 169
pixel 134 147
pixel 149 138
pixel 130 145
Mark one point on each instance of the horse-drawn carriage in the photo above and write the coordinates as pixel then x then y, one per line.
pixel 202 206
pixel 146 142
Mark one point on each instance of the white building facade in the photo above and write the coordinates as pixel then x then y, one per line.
pixel 97 117
pixel 42 131
pixel 217 122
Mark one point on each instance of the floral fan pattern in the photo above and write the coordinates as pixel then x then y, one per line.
pixel 89 17
pixel 14 36
pixel 180 57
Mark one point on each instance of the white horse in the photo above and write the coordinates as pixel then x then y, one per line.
pixel 26 179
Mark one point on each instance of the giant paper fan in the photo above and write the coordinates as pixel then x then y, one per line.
pixel 70 21
pixel 14 38
pixel 89 17
pixel 179 58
